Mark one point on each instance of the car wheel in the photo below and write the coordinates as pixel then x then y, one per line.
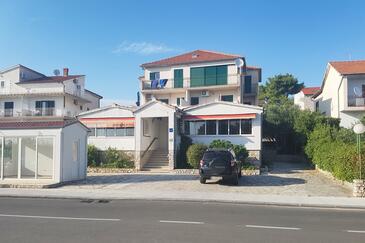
pixel 203 180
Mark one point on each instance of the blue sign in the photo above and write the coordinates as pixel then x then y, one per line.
pixel 171 130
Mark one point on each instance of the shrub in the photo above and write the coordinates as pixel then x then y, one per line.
pixel 240 150
pixel 195 153
pixel 117 159
pixel 181 159
pixel 92 155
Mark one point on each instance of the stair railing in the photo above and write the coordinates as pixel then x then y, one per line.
pixel 149 146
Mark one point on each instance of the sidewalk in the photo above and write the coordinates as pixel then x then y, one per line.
pixel 108 194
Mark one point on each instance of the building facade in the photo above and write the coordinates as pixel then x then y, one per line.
pixel 200 94
pixel 342 93
pixel 25 92
pixel 304 100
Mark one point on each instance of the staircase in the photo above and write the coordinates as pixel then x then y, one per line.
pixel 158 162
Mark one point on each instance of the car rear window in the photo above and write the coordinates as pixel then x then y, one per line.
pixel 225 155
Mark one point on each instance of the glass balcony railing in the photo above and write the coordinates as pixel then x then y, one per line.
pixel 356 101
pixel 34 112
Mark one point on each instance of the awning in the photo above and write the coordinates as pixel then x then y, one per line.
pixel 220 117
pixel 108 122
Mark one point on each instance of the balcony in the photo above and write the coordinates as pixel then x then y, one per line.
pixel 356 101
pixel 38 112
pixel 251 91
pixel 232 81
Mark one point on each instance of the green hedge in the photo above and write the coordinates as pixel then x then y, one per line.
pixel 334 150
pixel 111 158
pixel 240 150
pixel 195 154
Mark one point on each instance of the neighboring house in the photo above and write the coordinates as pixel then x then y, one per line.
pixel 42 151
pixel 110 126
pixel 199 77
pixel 200 94
pixel 25 92
pixel 342 93
pixel 304 100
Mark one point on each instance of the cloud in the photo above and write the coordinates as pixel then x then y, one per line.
pixel 109 101
pixel 142 48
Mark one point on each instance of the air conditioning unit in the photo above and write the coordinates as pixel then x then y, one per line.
pixel 204 93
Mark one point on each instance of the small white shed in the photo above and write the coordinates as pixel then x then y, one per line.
pixel 42 150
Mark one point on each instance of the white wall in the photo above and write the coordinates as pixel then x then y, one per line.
pixel 74 169
pixel 304 102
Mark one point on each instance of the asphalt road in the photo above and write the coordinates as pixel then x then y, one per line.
pixel 47 220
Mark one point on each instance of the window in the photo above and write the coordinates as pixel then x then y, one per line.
pixel 199 127
pixel 2 84
pixel 81 107
pixel 92 132
pixel 179 101
pixel 248 84
pixel 28 157
pixel 178 78
pixel 204 76
pixel 234 127
pixel 223 127
pixel 120 132
pixel 317 106
pixel 129 131
pixel 146 128
pixel 100 132
pixel 45 157
pixel 8 108
pixel 75 151
pixel 228 98
pixel 11 146
pixel 187 128
pixel 211 127
pixel 110 132
pixel 45 107
pixel 164 100
pixel 246 126
pixel 154 75
pixel 194 101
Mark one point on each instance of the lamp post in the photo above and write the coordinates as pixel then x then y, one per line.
pixel 359 185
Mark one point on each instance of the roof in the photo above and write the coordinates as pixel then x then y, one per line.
pixel 349 67
pixel 93 93
pixel 310 90
pixel 196 56
pixel 112 106
pixel 21 66
pixel 39 124
pixel 51 79
pixel 149 103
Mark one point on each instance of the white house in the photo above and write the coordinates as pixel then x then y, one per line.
pixel 25 92
pixel 42 150
pixel 304 100
pixel 342 93
pixel 200 94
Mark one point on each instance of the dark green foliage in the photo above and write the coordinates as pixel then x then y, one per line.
pixel 240 150
pixel 92 155
pixel 110 158
pixel 181 159
pixel 195 153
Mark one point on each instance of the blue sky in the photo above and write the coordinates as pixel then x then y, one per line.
pixel 108 40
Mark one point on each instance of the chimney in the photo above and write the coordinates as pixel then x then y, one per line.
pixel 65 72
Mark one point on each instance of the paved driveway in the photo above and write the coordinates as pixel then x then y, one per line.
pixel 283 179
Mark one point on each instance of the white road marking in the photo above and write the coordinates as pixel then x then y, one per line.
pixel 271 227
pixel 55 217
pixel 180 222
pixel 356 231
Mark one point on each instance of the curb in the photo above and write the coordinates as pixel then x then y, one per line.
pixel 238 202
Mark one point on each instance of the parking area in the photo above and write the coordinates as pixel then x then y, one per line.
pixel 282 179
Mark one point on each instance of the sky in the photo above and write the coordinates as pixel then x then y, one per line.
pixel 108 40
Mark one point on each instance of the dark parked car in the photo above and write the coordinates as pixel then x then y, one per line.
pixel 220 162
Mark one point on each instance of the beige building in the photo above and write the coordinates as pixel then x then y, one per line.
pixel 342 93
pixel 304 100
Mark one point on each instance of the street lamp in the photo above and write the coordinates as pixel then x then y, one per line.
pixel 358 130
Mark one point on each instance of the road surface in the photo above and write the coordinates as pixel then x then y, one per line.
pixel 62 220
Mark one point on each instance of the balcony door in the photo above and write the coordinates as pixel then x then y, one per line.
pixel 248 84
pixel 45 107
pixel 178 78
pixel 8 108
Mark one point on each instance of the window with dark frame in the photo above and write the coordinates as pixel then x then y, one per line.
pixel 223 127
pixel 227 98
pixel 211 127
pixel 234 127
pixel 194 101
pixel 246 126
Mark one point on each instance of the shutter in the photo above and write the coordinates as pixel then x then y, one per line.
pixel 211 76
pixel 197 77
pixel 248 84
pixel 178 78
pixel 222 75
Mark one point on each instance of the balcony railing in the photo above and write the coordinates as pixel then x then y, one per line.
pixel 250 91
pixel 35 112
pixel 232 79
pixel 355 101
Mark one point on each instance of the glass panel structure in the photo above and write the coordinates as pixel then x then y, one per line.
pixel 28 157
pixel 11 158
pixel 45 157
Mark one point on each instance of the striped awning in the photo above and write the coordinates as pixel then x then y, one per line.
pixel 220 117
pixel 108 122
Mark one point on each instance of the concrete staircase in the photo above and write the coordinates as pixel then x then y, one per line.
pixel 158 162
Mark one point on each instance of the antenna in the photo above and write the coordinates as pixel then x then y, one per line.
pixel 56 72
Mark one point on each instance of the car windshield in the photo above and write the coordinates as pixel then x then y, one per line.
pixel 217 154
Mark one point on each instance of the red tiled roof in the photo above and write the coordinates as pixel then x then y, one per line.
pixel 310 90
pixel 349 67
pixel 31 124
pixel 192 57
pixel 52 79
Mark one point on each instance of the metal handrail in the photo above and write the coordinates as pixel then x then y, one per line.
pixel 149 146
